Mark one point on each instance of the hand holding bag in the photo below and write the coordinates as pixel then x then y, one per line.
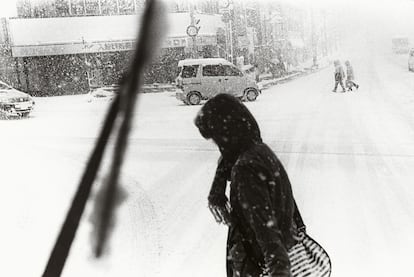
pixel 307 257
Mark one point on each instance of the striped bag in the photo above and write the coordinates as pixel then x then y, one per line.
pixel 309 259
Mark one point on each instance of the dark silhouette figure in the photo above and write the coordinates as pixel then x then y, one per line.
pixel 262 215
pixel 339 76
pixel 350 84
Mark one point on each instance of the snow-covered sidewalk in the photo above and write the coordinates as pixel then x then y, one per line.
pixel 265 84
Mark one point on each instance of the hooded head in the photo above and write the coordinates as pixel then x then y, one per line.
pixel 228 122
pixel 347 63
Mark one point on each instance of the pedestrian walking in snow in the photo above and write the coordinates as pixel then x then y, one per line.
pixel 339 76
pixel 350 77
pixel 262 215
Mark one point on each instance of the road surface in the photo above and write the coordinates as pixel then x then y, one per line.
pixel 349 156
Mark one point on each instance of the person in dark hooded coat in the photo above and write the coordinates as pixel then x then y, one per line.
pixel 262 213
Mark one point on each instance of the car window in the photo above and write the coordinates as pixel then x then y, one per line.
pixel 213 70
pixel 231 71
pixel 189 71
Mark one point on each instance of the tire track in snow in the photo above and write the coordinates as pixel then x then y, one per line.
pixel 145 227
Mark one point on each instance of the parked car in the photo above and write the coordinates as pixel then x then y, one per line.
pixel 107 92
pixel 411 60
pixel 202 79
pixel 14 103
pixel 250 71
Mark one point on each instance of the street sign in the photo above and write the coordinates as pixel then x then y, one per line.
pixel 225 17
pixel 224 3
pixel 192 30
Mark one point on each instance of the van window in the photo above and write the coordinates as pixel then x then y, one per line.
pixel 213 70
pixel 231 71
pixel 189 71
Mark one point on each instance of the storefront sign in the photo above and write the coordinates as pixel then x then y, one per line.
pixel 205 40
pixel 99 47
pixel 175 42
pixel 74 48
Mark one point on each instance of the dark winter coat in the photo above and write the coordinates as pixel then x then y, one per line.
pixel 350 73
pixel 339 73
pixel 263 207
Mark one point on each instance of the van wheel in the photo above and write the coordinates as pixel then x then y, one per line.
pixel 194 98
pixel 251 95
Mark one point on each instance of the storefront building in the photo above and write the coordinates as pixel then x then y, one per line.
pixel 61 49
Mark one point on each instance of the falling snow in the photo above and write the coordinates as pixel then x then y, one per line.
pixel 349 155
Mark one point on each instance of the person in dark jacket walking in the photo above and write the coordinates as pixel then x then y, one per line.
pixel 339 75
pixel 262 213
pixel 350 77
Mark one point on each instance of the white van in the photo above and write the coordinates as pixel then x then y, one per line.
pixel 202 79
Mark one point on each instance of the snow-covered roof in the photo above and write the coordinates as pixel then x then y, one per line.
pixel 203 61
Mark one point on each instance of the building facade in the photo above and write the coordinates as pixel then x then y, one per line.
pixel 57 47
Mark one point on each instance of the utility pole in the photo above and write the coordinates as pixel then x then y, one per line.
pixel 313 39
pixel 231 38
pixel 87 64
pixel 193 37
pixel 226 18
pixel 325 34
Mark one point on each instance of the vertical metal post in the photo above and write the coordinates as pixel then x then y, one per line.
pixel 86 64
pixel 325 34
pixel 16 66
pixel 227 42
pixel 117 7
pixel 194 38
pixel 100 7
pixel 84 7
pixel 26 73
pixel 313 38
pixel 70 7
pixel 231 40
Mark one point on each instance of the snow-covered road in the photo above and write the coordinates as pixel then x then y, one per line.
pixel 349 156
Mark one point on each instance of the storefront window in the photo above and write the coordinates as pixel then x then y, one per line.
pixel 109 7
pixel 92 7
pixel 126 6
pixel 62 8
pixel 207 6
pixel 24 8
pixel 77 7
